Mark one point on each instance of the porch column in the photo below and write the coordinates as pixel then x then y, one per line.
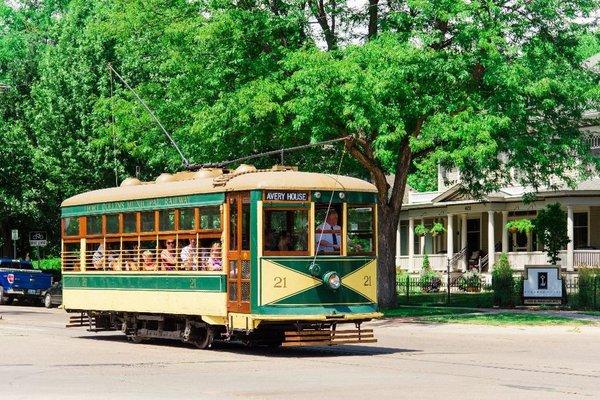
pixel 450 236
pixel 411 243
pixel 398 245
pixel 463 238
pixel 570 234
pixel 504 232
pixel 491 252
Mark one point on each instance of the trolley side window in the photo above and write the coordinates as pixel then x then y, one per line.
pixel 71 226
pixel 94 225
pixel 286 231
pixel 360 230
pixel 210 218
pixel 187 219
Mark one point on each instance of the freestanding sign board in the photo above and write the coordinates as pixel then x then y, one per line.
pixel 15 234
pixel 542 285
pixel 37 239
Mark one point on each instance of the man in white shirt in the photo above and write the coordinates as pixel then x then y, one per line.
pixel 189 255
pixel 328 235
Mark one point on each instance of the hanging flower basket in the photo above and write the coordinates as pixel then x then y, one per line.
pixel 520 225
pixel 420 230
pixel 437 229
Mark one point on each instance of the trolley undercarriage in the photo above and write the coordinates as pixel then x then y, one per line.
pixel 139 327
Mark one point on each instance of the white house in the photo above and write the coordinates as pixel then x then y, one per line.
pixel 476 231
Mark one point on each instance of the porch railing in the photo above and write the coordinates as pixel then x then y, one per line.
pixel 586 257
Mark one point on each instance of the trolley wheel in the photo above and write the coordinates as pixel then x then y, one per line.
pixel 136 339
pixel 203 337
pixel 48 301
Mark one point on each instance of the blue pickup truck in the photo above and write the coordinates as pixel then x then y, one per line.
pixel 18 280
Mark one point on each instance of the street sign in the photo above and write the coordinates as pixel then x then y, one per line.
pixel 15 234
pixel 37 239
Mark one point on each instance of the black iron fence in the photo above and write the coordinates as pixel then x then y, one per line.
pixel 476 291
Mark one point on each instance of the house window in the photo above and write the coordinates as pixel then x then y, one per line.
pixel 580 230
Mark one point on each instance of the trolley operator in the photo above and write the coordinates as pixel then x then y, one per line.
pixel 328 235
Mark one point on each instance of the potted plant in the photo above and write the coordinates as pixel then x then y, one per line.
pixel 421 230
pixel 520 225
pixel 437 229
pixel 470 281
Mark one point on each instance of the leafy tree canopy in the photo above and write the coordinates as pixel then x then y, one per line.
pixel 484 86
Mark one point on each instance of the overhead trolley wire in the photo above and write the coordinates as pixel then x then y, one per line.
pixel 221 164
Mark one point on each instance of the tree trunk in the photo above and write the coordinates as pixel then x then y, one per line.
pixel 386 262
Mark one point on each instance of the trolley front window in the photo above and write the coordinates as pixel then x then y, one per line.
pixel 360 230
pixel 286 231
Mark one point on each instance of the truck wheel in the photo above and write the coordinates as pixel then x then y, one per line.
pixel 3 300
pixel 48 301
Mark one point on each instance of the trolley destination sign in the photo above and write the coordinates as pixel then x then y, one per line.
pixel 286 196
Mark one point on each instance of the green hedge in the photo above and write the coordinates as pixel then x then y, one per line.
pixel 47 264
pixel 589 287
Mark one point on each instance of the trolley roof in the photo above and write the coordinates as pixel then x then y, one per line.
pixel 245 177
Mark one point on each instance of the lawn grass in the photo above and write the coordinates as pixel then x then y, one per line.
pixel 417 311
pixel 592 313
pixel 506 318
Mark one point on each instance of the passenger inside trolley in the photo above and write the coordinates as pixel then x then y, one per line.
pixel 328 234
pixel 167 256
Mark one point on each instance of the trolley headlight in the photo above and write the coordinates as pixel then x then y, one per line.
pixel 332 279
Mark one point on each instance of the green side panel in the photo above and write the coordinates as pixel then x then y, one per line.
pixel 347 197
pixel 161 282
pixel 337 309
pixel 208 199
pixel 321 299
pixel 255 196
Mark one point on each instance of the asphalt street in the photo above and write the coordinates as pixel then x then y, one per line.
pixel 41 359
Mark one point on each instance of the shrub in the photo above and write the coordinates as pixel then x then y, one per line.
pixel 429 281
pixel 48 264
pixel 503 283
pixel 588 278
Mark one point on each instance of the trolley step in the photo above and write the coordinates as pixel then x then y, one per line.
pixel 318 337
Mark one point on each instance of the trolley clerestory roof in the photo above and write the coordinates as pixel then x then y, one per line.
pixel 244 178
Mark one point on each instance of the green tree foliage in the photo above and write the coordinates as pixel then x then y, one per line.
pixel 503 282
pixel 551 227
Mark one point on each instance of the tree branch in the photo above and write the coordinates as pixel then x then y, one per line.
pixel 318 9
pixel 369 163
pixel 373 19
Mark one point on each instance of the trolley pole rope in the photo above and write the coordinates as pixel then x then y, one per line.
pixel 184 160
pixel 195 167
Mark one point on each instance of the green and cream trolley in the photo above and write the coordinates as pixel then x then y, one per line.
pixel 268 257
